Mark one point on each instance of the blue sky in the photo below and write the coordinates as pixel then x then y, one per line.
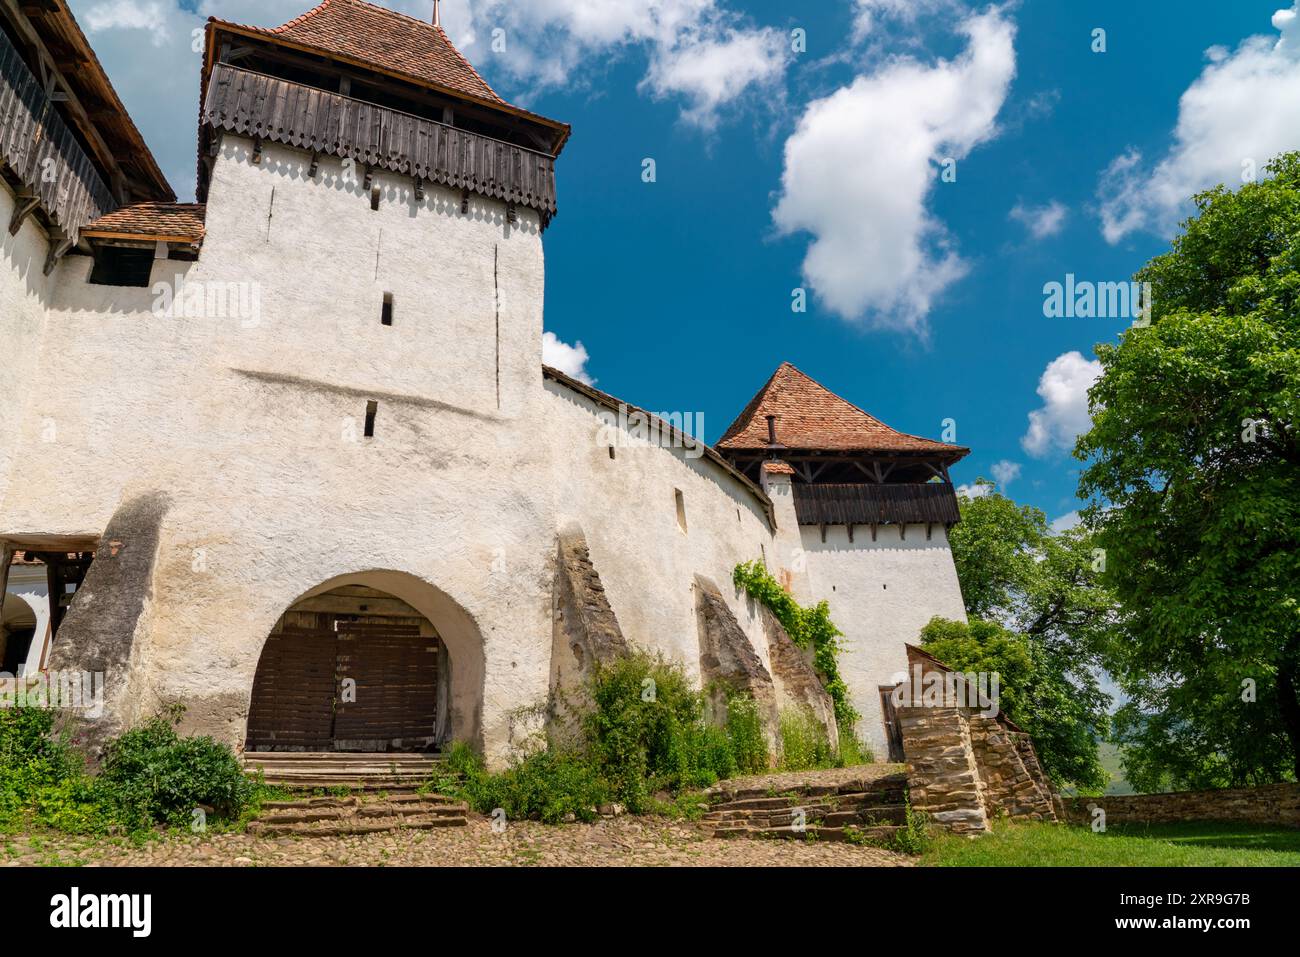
pixel 925 297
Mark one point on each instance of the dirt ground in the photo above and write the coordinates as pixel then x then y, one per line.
pixel 618 842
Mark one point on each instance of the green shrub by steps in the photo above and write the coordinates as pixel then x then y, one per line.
pixel 32 759
pixel 804 742
pixel 646 732
pixel 547 786
pixel 745 738
pixel 150 776
pixel 155 776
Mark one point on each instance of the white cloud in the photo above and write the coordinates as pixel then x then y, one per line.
pixel 1063 388
pixel 129 15
pixel 696 49
pixel 1005 472
pixel 867 14
pixel 1241 110
pixel 713 73
pixel 878 254
pixel 569 359
pixel 1041 221
pixel 1066 522
pixel 975 490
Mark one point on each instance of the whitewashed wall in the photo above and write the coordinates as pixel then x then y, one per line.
pixel 881 594
pixel 23 300
pixel 251 423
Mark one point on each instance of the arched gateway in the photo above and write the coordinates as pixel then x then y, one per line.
pixel 351 669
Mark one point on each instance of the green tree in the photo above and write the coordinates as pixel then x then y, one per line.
pixel 1194 472
pixel 1032 691
pixel 1022 579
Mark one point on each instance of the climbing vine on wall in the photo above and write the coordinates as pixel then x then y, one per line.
pixel 807 627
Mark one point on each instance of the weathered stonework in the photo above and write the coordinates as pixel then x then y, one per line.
pixel 585 630
pixel 966 768
pixel 728 663
pixel 796 683
pixel 98 634
pixel 1269 804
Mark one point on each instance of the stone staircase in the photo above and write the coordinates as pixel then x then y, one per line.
pixel 337 816
pixel 867 809
pixel 393 772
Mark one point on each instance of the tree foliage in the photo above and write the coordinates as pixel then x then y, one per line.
pixel 1025 584
pixel 1194 471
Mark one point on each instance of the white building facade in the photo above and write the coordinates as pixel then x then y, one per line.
pixel 304 430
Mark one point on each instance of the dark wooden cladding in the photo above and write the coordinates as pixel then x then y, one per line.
pixel 257 105
pixel 298 702
pixel 42 152
pixel 861 504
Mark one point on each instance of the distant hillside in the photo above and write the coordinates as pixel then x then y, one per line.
pixel 1109 755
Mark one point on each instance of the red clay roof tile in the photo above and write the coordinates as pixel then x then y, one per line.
pixel 388 39
pixel 184 220
pixel 811 416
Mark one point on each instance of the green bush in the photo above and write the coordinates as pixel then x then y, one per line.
pixel 646 731
pixel 150 775
pixel 547 786
pixel 853 751
pixel 745 737
pixel 32 759
pixel 915 836
pixel 804 742
pixel 154 776
pixel 807 627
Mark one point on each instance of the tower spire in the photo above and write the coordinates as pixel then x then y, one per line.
pixel 437 14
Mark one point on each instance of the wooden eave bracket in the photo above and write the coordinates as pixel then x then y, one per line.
pixel 59 246
pixel 26 205
pixel 419 189
pixel 315 165
pixel 464 202
pixel 257 150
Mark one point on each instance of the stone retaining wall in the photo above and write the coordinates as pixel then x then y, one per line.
pixel 1268 804
pixel 965 768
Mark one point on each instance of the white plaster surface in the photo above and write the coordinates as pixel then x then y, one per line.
pixel 252 425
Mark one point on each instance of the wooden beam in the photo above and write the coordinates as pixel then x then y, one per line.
pixel 59 246
pixel 26 205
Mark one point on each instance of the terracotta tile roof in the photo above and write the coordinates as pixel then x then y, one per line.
pixel 811 416
pixel 385 38
pixel 777 467
pixel 162 220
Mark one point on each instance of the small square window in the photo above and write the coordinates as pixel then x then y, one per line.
pixel 122 266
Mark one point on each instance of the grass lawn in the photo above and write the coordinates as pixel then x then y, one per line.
pixel 1191 844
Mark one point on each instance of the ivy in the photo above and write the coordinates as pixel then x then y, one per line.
pixel 807 627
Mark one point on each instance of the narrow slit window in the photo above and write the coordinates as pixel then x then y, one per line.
pixel 681 508
pixel 386 313
pixel 374 196
pixel 611 451
pixel 371 409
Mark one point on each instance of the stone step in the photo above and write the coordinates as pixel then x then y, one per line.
pixel 342 757
pixel 813 832
pixel 868 799
pixel 353 826
pixel 890 783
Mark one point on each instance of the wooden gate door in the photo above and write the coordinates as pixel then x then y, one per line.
pixel 394 664
pixel 893 730
pixel 293 693
pixel 329 682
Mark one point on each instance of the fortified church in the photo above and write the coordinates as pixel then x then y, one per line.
pixel 298 435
